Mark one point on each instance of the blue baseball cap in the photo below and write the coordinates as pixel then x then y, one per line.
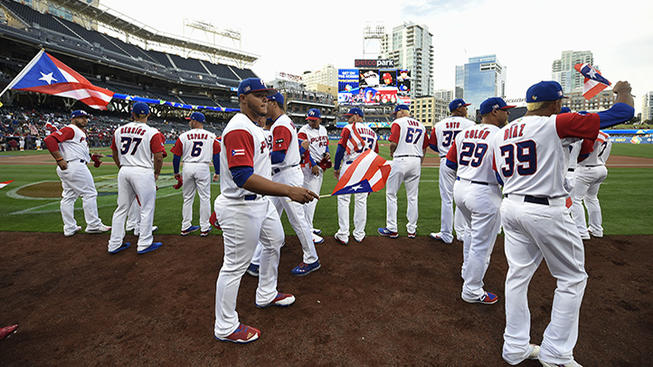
pixel 565 110
pixel 456 103
pixel 250 85
pixel 277 97
pixel 198 116
pixel 401 107
pixel 313 114
pixel 140 108
pixel 355 111
pixel 79 113
pixel 544 91
pixel 494 103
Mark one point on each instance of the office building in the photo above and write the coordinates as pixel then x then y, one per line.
pixel 482 77
pixel 564 73
pixel 324 80
pixel 647 107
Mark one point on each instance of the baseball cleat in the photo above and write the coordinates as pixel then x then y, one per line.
pixel 585 236
pixel 124 246
pixel 304 269
pixel 152 247
pixel 317 240
pixel 7 330
pixel 438 237
pixel 487 299
pixel 570 364
pixel 317 231
pixel 101 229
pixel 243 335
pixel 281 300
pixel 412 235
pixel 359 240
pixel 206 233
pixel 252 270
pixel 387 233
pixel 535 351
pixel 339 241
pixel 77 229
pixel 189 230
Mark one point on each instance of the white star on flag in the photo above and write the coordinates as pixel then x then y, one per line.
pixel 355 188
pixel 48 78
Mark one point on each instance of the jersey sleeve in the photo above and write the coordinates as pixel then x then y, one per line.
pixel 157 143
pixel 113 143
pixel 64 134
pixel 178 148
pixel 281 137
pixel 239 146
pixel 433 140
pixel 395 133
pixel 302 135
pixel 216 146
pixel 452 155
pixel 586 149
pixel 344 136
pixel 425 143
pixel 376 146
pixel 578 125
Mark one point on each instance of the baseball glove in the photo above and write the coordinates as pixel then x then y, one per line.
pixel 180 182
pixel 325 163
pixel 96 160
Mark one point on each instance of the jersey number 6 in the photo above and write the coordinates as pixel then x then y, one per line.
pixel 526 157
pixel 197 149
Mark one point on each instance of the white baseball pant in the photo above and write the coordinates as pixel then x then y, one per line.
pixel 448 218
pixel 360 213
pixel 588 182
pixel 532 232
pixel 570 180
pixel 408 171
pixel 295 211
pixel 244 224
pixel 77 181
pixel 133 216
pixel 479 205
pixel 134 181
pixel 313 183
pixel 196 178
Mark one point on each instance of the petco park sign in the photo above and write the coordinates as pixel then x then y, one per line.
pixel 374 63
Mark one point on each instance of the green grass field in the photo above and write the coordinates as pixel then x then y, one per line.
pixel 624 199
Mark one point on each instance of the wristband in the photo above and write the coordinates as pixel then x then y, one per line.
pixel 59 160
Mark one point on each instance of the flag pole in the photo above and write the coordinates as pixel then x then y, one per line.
pixel 23 72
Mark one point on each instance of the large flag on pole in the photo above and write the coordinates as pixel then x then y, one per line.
pixel 368 173
pixel 594 81
pixel 45 74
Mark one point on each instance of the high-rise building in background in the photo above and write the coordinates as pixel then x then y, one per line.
pixel 324 80
pixel 410 46
pixel 444 95
pixel 481 78
pixel 564 73
pixel 647 107
pixel 429 110
pixel 576 101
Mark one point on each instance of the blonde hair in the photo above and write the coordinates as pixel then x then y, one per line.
pixel 533 106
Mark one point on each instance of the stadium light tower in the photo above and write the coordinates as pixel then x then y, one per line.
pixel 373 35
pixel 209 30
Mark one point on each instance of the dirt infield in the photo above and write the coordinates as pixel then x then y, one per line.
pixel 382 302
pixel 42 190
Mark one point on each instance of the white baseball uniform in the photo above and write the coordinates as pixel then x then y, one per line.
pixel 318 147
pixel 136 143
pixel 76 180
pixel 530 156
pixel 478 199
pixel 246 218
pixel 288 171
pixel 442 136
pixel 355 138
pixel 409 135
pixel 570 176
pixel 256 259
pixel 590 173
pixel 196 148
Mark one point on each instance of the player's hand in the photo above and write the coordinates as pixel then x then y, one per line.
pixel 301 195
pixel 63 164
pixel 177 176
pixel 622 87
pixel 216 177
pixel 327 155
pixel 156 176
pixel 305 144
pixel 315 170
pixel 336 174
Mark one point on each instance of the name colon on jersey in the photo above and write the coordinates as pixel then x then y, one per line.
pixel 516 131
pixel 452 125
pixel 132 130
pixel 192 136
pixel 476 134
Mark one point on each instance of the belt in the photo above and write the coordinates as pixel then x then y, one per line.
pixel 591 165
pixel 474 182
pixel 349 162
pixel 404 156
pixel 279 169
pixel 559 201
pixel 75 160
pixel 570 170
pixel 250 197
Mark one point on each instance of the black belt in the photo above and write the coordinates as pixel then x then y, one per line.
pixel 75 160
pixel 592 165
pixel 403 156
pixel 570 170
pixel 534 200
pixel 250 197
pixel 474 182
pixel 277 170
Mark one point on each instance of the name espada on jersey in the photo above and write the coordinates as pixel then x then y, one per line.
pixel 531 153
pixel 445 131
pixel 136 143
pixel 318 141
pixel 243 144
pixel 196 146
pixel 471 154
pixel 600 151
pixel 357 138
pixel 72 143
pixel 409 135
pixel 284 137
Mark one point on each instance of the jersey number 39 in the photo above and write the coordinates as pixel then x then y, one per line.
pixel 526 158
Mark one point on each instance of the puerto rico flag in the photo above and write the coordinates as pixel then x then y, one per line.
pixel 594 81
pixel 368 173
pixel 45 74
pixel 3 184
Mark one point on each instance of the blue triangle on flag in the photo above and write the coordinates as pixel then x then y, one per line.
pixel 357 188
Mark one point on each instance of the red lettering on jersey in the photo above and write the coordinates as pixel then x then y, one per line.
pixel 515 131
pixel 521 129
pixel 413 123
pixel 453 125
pixel 485 134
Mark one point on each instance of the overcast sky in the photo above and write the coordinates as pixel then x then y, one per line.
pixel 526 36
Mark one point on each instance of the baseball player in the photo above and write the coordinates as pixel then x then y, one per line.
pixel 477 196
pixel 407 148
pixel 355 138
pixel 529 156
pixel 247 215
pixel 442 135
pixel 314 160
pixel 138 153
pixel 285 159
pixel 69 148
pixel 590 173
pixel 133 222
pixel 196 148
